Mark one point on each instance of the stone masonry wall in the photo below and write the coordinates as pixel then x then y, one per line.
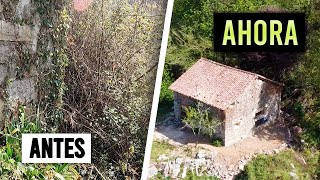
pixel 19 27
pixel 241 116
pixel 269 99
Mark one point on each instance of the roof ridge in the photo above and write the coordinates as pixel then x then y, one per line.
pixel 258 76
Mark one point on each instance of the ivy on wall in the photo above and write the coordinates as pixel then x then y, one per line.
pixel 52 58
pixel 46 65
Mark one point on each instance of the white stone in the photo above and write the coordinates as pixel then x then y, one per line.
pixel 241 167
pixel 200 155
pixel 35 31
pixel 276 151
pixel 179 160
pixel 211 155
pixel 184 172
pixel 293 175
pixel 162 158
pixel 22 6
pixel 24 33
pixel 166 170
pixel 175 170
pixel 152 171
pixel 6 51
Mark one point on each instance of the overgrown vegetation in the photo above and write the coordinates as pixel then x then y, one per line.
pixel 191 38
pixel 51 60
pixel 52 24
pixel 95 72
pixel 10 152
pixel 113 51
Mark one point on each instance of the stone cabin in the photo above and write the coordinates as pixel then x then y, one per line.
pixel 242 100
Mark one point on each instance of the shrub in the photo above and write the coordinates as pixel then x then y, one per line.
pixel 217 142
pixel 201 118
pixel 191 175
pixel 166 95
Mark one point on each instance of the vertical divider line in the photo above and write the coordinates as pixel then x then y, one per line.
pixel 156 94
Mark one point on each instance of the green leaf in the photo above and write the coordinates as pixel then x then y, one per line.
pixel 61 167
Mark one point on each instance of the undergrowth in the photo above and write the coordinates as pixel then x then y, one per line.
pixel 10 152
pixel 113 51
pixel 285 165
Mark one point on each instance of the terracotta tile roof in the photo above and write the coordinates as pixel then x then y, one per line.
pixel 214 84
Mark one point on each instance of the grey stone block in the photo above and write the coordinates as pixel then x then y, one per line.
pixel 22 91
pixel 12 32
pixel 3 73
pixel 7 52
pixel 1 114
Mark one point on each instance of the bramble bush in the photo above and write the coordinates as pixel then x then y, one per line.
pixel 113 52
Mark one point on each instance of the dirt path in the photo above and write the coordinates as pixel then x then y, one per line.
pixel 265 140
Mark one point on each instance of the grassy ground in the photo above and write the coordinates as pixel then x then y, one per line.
pixel 285 165
pixel 160 148
pixel 193 176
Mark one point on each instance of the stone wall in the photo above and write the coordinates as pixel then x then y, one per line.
pixel 269 100
pixel 238 120
pixel 19 28
pixel 241 115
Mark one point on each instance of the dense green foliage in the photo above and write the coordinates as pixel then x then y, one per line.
pixel 191 38
pixel 55 22
pixel 10 152
pixel 167 79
